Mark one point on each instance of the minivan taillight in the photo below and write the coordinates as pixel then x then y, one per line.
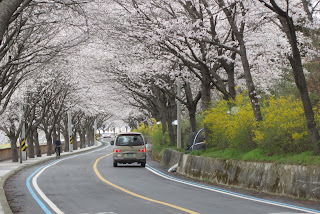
pixel 116 150
pixel 142 150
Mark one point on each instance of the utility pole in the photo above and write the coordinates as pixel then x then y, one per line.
pixel 95 132
pixel 70 132
pixel 179 145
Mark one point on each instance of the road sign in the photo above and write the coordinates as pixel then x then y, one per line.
pixel 23 145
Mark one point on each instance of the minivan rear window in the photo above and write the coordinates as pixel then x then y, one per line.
pixel 129 140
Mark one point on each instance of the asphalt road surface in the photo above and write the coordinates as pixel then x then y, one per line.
pixel 88 183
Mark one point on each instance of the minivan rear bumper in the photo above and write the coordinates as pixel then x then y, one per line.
pixel 129 160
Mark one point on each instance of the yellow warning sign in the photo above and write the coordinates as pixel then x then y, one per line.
pixel 23 145
pixel 71 139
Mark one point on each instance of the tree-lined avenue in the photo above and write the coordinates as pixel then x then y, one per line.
pixel 89 183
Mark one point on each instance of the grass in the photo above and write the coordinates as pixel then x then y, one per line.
pixel 257 155
pixel 175 148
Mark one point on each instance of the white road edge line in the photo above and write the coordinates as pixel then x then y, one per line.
pixel 286 213
pixel 228 193
pixel 42 195
pixel 37 188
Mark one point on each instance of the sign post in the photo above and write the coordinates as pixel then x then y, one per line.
pixel 22 139
pixel 70 132
pixel 23 145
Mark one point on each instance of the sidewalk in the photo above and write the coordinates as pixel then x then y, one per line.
pixel 8 168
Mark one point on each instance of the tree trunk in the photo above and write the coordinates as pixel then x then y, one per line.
pixel 59 130
pixel 299 78
pixel 7 9
pixel 164 127
pixel 75 142
pixel 192 117
pixel 82 139
pixel 164 122
pixel 191 105
pixel 171 116
pixel 80 142
pixel 238 32
pixel 206 99
pixel 87 137
pixel 66 138
pixel 90 135
pixel 14 149
pixel 205 92
pixel 249 81
pixel 30 144
pixel 36 142
pixel 54 133
pixel 49 144
pixel 231 84
pixel 171 132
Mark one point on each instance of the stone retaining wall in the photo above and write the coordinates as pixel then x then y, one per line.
pixel 281 179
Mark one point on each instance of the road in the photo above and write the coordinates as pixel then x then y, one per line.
pixel 88 183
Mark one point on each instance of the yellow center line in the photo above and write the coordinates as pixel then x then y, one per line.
pixel 134 194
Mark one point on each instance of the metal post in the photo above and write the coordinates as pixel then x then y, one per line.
pixel 23 145
pixel 20 119
pixel 22 140
pixel 95 132
pixel 70 132
pixel 179 145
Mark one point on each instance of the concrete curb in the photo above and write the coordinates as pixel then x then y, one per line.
pixel 3 199
pixel 289 180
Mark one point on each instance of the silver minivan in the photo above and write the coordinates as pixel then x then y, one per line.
pixel 129 148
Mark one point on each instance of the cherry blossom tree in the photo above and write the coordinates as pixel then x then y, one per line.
pixel 14 117
pixel 137 52
pixel 34 32
pixel 289 16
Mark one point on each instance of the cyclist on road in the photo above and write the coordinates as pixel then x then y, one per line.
pixel 57 145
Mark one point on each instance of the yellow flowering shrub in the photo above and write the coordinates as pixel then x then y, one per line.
pixel 144 130
pixel 216 125
pixel 282 130
pixel 284 127
pixel 231 126
pixel 153 133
